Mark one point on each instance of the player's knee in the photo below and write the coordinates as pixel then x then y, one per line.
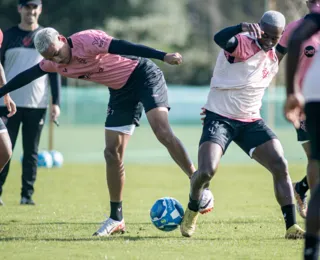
pixel 164 135
pixel 279 167
pixel 5 156
pixel 112 155
pixel 207 172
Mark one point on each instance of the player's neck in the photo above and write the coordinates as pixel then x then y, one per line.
pixel 28 27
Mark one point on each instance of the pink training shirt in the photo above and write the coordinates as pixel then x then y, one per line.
pixel 309 49
pixel 239 80
pixel 92 62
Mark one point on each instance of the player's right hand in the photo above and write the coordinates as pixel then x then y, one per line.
pixel 293 109
pixel 11 106
pixel 253 29
pixel 173 58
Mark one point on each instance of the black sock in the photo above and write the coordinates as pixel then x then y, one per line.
pixel 116 210
pixel 193 204
pixel 289 215
pixel 302 187
pixel 311 248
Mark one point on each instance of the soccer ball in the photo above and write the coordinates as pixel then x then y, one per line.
pixel 166 214
pixel 45 159
pixel 57 158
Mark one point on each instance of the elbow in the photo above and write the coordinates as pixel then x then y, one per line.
pixel 216 38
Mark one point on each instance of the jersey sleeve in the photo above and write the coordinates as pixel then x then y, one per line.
pixel 286 35
pixel 96 42
pixel 47 66
pixel 1 38
pixel 244 48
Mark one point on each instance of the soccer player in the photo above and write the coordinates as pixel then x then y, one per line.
pixel 309 48
pixel 294 108
pixel 244 69
pixel 17 53
pixel 134 83
pixel 5 143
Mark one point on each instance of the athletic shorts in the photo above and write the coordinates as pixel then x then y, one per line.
pixel 302 134
pixel 145 89
pixel 312 110
pixel 247 135
pixel 2 126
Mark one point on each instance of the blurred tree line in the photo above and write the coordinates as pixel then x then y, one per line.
pixel 185 26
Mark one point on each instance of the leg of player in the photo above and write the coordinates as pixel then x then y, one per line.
pixel 312 168
pixel 158 120
pixel 209 156
pixel 311 251
pixel 301 187
pixel 270 155
pixel 5 149
pixel 312 241
pixel 116 143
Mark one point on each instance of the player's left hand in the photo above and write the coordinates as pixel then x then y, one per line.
pixel 203 114
pixel 293 109
pixel 55 112
pixel 173 58
pixel 11 106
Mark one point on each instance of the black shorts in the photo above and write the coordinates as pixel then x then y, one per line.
pixel 302 134
pixel 2 126
pixel 312 110
pixel 247 135
pixel 146 88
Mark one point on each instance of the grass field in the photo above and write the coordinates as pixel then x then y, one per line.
pixel 71 202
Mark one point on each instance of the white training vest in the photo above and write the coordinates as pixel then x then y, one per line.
pixel 237 89
pixel 311 82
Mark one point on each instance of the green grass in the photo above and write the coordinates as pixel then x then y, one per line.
pixel 71 202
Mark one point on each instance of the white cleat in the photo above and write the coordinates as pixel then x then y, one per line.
pixel 110 227
pixel 206 202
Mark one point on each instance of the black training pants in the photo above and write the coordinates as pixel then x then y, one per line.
pixel 32 120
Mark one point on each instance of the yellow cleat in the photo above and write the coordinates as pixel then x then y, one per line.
pixel 295 232
pixel 188 224
pixel 302 204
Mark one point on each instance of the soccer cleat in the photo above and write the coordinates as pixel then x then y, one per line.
pixel 110 227
pixel 295 232
pixel 188 224
pixel 26 201
pixel 302 204
pixel 1 202
pixel 206 202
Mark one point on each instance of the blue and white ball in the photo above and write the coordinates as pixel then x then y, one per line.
pixel 166 214
pixel 45 159
pixel 57 158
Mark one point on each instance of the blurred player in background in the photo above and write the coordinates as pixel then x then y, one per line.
pixel 134 83
pixel 309 49
pixel 17 54
pixel 294 108
pixel 5 143
pixel 245 67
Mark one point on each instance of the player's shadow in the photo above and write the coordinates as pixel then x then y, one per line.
pixel 119 238
pixel 75 223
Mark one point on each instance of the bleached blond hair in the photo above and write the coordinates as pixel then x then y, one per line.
pixel 44 38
